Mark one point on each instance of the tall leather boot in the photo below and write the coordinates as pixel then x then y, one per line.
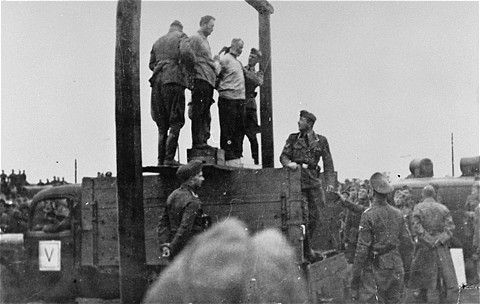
pixel 170 149
pixel 161 147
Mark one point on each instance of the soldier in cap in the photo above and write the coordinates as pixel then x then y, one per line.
pixel 432 267
pixel 183 213
pixel 170 61
pixel 381 234
pixel 253 79
pixel 303 151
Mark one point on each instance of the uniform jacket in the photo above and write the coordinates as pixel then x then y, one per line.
pixel 253 79
pixel 381 234
pixel 298 150
pixel 184 211
pixel 169 58
pixel 432 223
pixel 205 67
pixel 476 236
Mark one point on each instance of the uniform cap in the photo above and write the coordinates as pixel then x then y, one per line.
pixel 308 116
pixel 380 184
pixel 191 169
pixel 255 52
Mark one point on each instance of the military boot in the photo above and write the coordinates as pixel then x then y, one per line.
pixel 170 149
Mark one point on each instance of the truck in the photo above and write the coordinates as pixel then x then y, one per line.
pixel 83 261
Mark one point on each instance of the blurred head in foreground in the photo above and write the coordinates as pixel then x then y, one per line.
pixel 227 265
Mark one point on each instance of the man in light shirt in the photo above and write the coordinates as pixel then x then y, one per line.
pixel 231 91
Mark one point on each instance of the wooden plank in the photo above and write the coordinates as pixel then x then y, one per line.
pixel 87 248
pixel 87 200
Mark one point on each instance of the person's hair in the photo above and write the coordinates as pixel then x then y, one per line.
pixel 227 265
pixel 236 41
pixel 177 23
pixel 206 19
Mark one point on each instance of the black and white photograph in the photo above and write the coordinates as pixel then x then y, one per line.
pixel 239 151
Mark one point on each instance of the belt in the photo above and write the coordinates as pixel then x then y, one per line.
pixel 307 166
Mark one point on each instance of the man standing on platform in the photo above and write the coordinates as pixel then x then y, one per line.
pixel 206 71
pixel 303 151
pixel 231 102
pixel 170 59
pixel 253 79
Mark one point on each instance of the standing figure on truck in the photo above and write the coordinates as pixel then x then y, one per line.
pixel 183 215
pixel 253 79
pixel 432 266
pixel 170 61
pixel 382 234
pixel 303 151
pixel 206 71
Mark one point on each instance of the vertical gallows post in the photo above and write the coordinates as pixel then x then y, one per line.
pixel 129 153
pixel 264 10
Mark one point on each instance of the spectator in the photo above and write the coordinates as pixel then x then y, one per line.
pixel 226 265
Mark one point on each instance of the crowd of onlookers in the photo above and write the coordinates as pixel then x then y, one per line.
pixel 15 200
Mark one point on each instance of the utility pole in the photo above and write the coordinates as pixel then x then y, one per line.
pixel 453 159
pixel 75 170
pixel 131 233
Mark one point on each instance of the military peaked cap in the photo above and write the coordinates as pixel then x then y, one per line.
pixel 191 169
pixel 255 52
pixel 380 184
pixel 308 116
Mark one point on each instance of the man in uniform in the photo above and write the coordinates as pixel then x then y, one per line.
pixel 253 79
pixel 169 60
pixel 303 151
pixel 354 209
pixel 432 266
pixel 183 213
pixel 381 234
pixel 206 71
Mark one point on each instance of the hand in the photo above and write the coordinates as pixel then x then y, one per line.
pixel 292 165
pixel 165 248
pixel 330 188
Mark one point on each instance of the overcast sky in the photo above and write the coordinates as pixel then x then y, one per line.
pixel 388 81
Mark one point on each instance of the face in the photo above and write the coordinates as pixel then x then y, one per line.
pixel 362 193
pixel 208 27
pixel 252 60
pixel 198 179
pixel 237 48
pixel 303 124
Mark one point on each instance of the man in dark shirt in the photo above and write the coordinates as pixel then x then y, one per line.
pixel 170 59
pixel 303 151
pixel 253 79
pixel 183 213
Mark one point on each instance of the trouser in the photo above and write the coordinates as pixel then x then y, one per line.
pixel 168 112
pixel 202 99
pixel 251 130
pixel 367 289
pixel 390 284
pixel 319 234
pixel 231 114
